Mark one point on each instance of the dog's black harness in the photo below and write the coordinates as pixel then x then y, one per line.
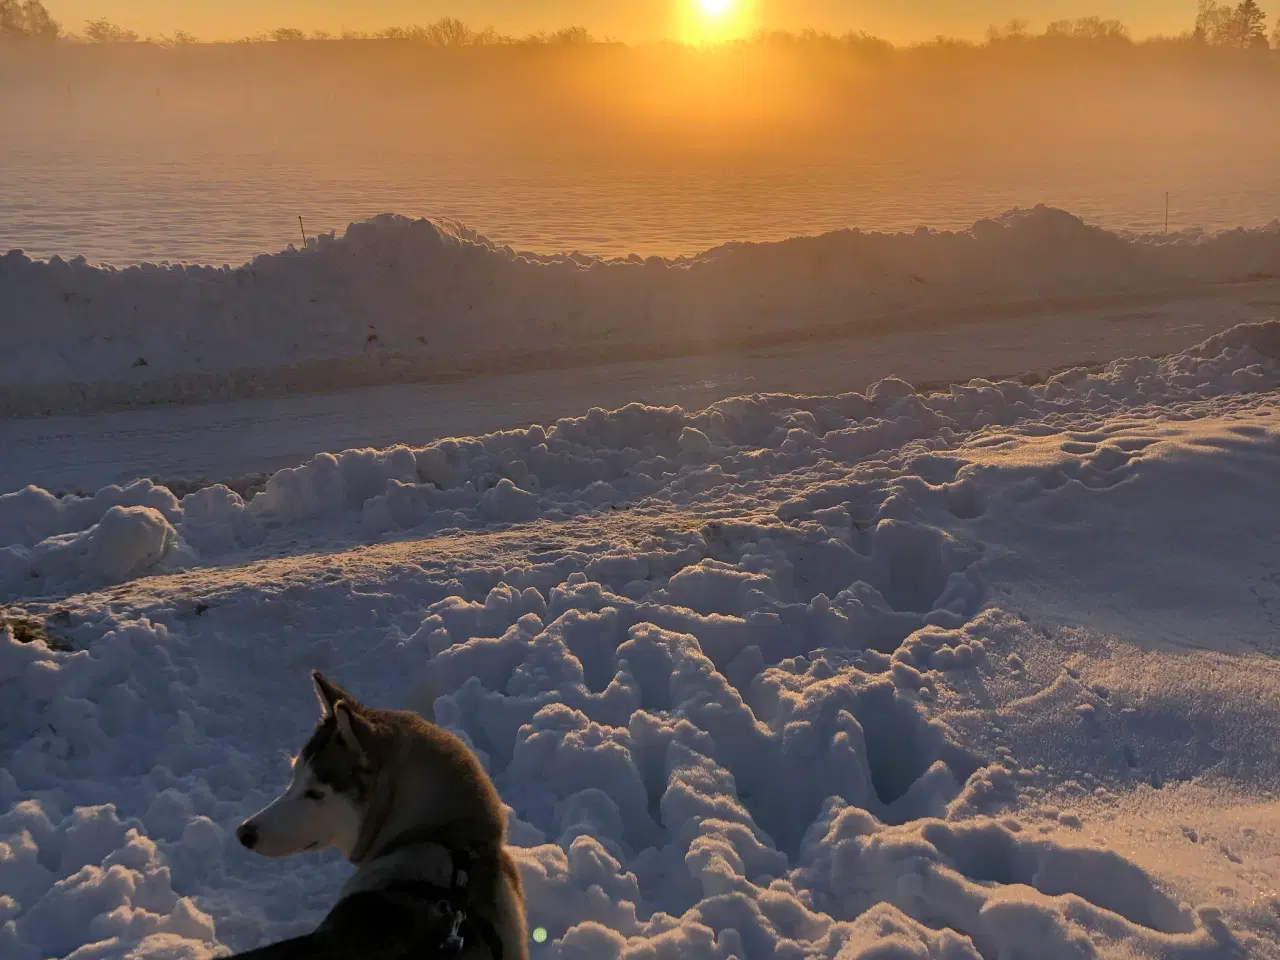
pixel 452 901
pixel 406 919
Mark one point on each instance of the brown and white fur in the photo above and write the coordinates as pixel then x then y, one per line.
pixel 407 802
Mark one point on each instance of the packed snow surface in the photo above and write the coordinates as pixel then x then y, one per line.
pixel 396 299
pixel 984 674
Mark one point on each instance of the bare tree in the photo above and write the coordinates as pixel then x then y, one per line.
pixel 488 37
pixel 1013 31
pixel 104 31
pixel 446 32
pixel 1095 28
pixel 1088 28
pixel 449 32
pixel 1213 23
pixel 571 35
pixel 287 35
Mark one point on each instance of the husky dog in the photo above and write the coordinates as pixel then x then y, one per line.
pixel 410 805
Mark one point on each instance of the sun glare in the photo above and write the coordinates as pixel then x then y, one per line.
pixel 716 21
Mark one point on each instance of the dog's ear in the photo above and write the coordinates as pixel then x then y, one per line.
pixel 330 695
pixel 354 729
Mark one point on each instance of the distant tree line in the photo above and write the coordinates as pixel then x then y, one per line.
pixel 29 20
pixel 1241 26
pixel 445 32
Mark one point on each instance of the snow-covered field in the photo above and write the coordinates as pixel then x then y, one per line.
pixel 396 300
pixel 988 673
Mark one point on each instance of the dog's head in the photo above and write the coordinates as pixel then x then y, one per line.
pixel 327 799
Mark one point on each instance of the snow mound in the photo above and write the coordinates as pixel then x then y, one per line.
pixel 31 515
pixel 840 677
pixel 396 299
pixel 123 894
pixel 125 543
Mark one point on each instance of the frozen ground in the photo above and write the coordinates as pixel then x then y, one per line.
pixel 988 673
pixel 397 301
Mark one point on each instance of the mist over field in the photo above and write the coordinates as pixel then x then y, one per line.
pixel 621 149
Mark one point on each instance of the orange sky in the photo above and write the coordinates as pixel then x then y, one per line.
pixel 630 20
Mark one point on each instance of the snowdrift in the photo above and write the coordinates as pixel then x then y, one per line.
pixel 578 466
pixel 397 299
pixel 783 678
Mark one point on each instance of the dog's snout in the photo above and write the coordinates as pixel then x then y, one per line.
pixel 247 834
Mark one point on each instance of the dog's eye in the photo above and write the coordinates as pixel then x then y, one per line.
pixel 314 794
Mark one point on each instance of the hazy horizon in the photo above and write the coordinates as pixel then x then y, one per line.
pixel 636 21
pixel 211 153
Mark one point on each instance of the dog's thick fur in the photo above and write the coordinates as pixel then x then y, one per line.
pixel 410 805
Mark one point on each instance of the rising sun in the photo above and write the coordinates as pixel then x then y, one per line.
pixel 716 21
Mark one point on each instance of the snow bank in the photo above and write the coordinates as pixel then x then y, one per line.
pixel 635 455
pixel 397 299
pixel 853 677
